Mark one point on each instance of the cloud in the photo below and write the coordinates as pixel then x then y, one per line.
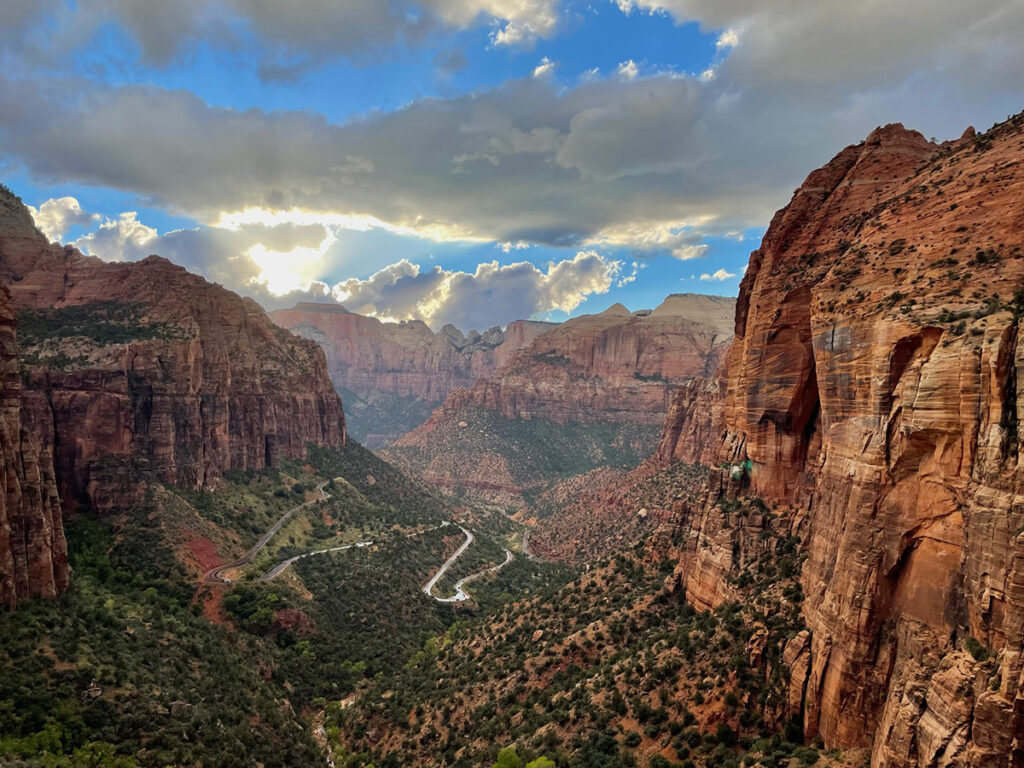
pixel 788 40
pixel 585 166
pixel 628 70
pixel 527 20
pixel 490 295
pixel 719 274
pixel 280 40
pixel 507 247
pixel 546 67
pixel 122 239
pixel 57 216
pixel 689 251
pixel 281 261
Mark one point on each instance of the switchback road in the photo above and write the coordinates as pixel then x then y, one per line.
pixel 213 576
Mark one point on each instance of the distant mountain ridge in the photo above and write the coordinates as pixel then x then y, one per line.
pixel 591 392
pixel 392 375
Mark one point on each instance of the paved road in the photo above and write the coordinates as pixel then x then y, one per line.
pixel 460 594
pixel 281 567
pixel 276 571
pixel 428 588
pixel 213 576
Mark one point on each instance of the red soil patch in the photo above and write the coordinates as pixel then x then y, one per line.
pixel 204 552
pixel 212 602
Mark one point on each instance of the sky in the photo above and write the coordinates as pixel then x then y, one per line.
pixel 468 161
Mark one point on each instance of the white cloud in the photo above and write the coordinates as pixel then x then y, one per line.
pixel 118 239
pixel 492 294
pixel 623 279
pixel 254 258
pixel 525 20
pixel 508 247
pixel 57 216
pixel 728 39
pixel 628 70
pixel 689 251
pixel 719 274
pixel 546 67
pixel 280 260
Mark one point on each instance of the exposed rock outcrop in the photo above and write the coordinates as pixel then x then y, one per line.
pixel 393 374
pixel 143 371
pixel 606 379
pixel 33 553
pixel 872 396
pixel 615 366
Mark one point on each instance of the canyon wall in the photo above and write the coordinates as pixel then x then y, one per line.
pixel 393 374
pixel 33 553
pixel 871 397
pixel 143 371
pixel 616 366
pixel 589 393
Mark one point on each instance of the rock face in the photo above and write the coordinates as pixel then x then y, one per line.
pixel 142 371
pixel 615 366
pixel 33 553
pixel 393 374
pixel 605 380
pixel 873 388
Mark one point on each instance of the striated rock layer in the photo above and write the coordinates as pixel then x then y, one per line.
pixel 872 386
pixel 591 392
pixel 616 366
pixel 394 374
pixel 142 371
pixel 33 553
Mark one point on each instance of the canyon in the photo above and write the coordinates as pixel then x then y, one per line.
pixel 590 393
pixel 116 375
pixel 392 375
pixel 855 413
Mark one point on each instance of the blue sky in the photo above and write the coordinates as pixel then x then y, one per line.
pixel 385 154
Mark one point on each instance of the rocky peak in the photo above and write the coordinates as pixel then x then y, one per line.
pixel 15 219
pixel 616 310
pixel 452 335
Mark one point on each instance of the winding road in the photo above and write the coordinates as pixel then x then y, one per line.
pixel 428 588
pixel 278 569
pixel 460 594
pixel 213 576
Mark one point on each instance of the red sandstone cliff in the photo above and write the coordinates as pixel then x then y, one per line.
pixel 588 394
pixel 615 366
pixel 873 386
pixel 381 363
pixel 33 553
pixel 142 371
